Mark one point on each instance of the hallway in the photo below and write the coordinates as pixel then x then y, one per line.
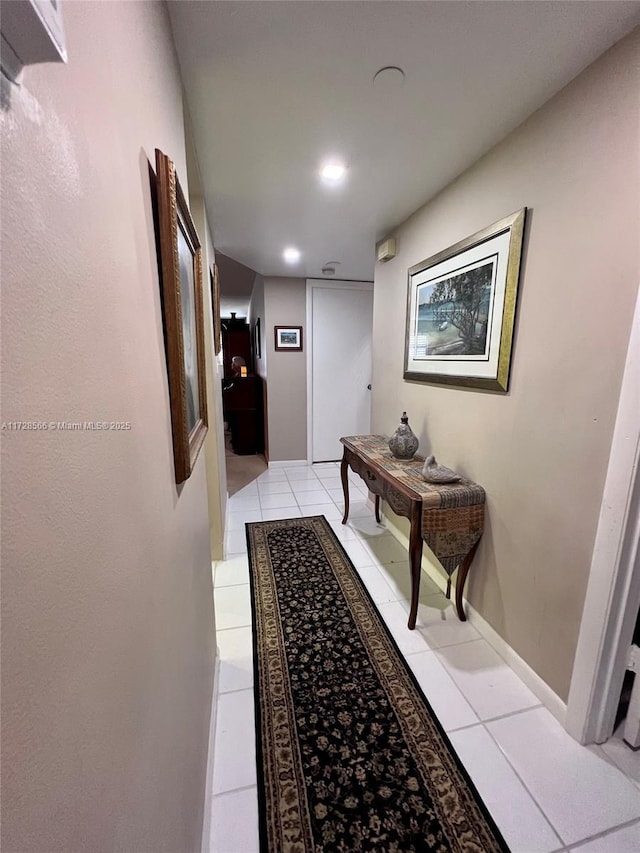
pixel 173 133
pixel 546 792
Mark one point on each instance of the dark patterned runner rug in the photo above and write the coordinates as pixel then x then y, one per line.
pixel 350 755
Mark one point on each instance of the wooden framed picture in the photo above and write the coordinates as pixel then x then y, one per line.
pixel 288 338
pixel 257 339
pixel 461 307
pixel 215 302
pixel 181 260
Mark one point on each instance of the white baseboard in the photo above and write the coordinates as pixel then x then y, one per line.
pixel 529 676
pixel 288 463
pixel 208 787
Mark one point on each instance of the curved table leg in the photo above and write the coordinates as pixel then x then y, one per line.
pixel 378 516
pixel 415 560
pixel 344 468
pixel 463 571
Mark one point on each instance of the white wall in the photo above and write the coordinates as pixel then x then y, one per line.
pixel 541 450
pixel 107 619
pixel 286 305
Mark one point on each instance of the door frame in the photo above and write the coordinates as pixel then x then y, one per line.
pixel 313 283
pixel 613 591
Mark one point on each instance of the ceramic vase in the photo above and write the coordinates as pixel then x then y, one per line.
pixel 403 443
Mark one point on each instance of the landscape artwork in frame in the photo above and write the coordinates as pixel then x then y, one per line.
pixel 181 261
pixel 288 338
pixel 461 308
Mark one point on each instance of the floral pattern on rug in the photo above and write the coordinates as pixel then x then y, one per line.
pixel 350 755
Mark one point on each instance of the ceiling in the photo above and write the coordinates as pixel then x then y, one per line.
pixel 274 88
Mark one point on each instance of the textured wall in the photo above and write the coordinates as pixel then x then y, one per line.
pixel 286 305
pixel 542 450
pixel 107 624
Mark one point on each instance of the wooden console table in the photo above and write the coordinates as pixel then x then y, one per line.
pixel 449 518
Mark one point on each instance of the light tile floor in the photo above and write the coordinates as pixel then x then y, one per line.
pixel 545 792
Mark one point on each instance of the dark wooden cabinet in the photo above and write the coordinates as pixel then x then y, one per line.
pixel 242 405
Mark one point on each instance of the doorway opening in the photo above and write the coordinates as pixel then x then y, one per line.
pixel 242 405
pixel 613 593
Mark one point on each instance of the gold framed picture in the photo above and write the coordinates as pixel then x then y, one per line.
pixel 181 265
pixel 461 306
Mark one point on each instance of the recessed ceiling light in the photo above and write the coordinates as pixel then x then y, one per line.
pixel 291 255
pixel 333 172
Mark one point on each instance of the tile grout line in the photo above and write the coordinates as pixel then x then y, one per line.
pixel 611 759
pixel 237 690
pixel 517 713
pixel 233 627
pixel 563 843
pixel 568 844
pixel 447 646
pixel 217 699
pixel 579 844
pixel 235 790
pixel 488 719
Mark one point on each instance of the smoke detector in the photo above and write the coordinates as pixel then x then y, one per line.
pixel 388 79
pixel 330 267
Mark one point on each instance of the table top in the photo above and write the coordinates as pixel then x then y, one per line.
pixel 375 449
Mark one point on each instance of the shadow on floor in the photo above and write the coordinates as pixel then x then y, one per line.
pixel 241 470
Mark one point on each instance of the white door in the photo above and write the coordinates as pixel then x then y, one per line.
pixel 340 364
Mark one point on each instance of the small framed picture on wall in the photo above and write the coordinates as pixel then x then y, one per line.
pixel 288 338
pixel 257 339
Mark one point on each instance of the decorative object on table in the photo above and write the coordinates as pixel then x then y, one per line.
pixel 403 443
pixel 236 341
pixel 461 307
pixel 181 264
pixel 434 473
pixel 344 715
pixel 288 338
